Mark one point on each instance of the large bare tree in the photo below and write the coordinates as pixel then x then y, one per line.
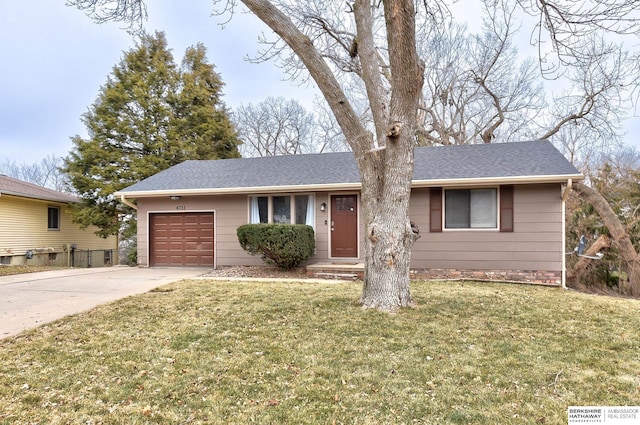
pixel 45 173
pixel 384 153
pixel 478 89
pixel 275 126
pixel 373 45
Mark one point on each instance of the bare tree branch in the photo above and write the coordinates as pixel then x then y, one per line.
pixel 567 23
pixel 131 12
pixel 328 85
pixel 275 127
pixel 371 67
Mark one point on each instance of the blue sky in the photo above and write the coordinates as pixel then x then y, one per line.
pixel 54 60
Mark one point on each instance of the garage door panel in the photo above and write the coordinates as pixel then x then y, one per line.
pixel 191 247
pixel 162 219
pixel 181 239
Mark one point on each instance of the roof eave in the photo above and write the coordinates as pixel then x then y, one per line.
pixel 345 186
pixel 37 197
pixel 488 181
pixel 239 190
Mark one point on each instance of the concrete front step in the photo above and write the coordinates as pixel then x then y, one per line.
pixel 342 271
pixel 340 276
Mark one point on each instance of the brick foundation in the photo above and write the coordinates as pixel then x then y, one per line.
pixel 525 276
pixel 356 271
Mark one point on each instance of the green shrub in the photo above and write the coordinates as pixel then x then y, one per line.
pixel 283 245
pixel 132 255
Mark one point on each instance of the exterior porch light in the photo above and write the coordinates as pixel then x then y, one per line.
pixel 175 197
pixel 323 206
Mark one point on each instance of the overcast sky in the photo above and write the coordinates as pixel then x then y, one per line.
pixel 54 60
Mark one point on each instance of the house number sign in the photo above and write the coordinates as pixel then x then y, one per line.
pixel 181 207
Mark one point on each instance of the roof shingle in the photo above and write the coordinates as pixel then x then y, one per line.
pixel 523 159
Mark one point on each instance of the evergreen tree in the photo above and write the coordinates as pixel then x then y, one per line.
pixel 149 116
pixel 202 122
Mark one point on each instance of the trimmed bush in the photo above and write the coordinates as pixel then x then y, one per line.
pixel 283 245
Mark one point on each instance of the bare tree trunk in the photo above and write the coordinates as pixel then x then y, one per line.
pixel 386 167
pixel 583 266
pixel 619 236
pixel 389 236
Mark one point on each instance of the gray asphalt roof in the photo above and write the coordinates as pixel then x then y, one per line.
pixel 521 159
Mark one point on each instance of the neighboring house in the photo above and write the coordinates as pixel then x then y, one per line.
pixel 484 211
pixel 36 228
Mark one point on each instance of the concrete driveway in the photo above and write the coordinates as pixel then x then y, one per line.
pixel 30 300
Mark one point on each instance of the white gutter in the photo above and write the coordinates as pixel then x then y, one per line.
pixel 347 186
pixel 565 195
pixel 567 190
pixel 128 203
pixel 495 180
pixel 239 190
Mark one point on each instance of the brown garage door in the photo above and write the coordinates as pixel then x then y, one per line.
pixel 181 239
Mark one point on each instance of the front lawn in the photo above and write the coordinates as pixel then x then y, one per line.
pixel 207 352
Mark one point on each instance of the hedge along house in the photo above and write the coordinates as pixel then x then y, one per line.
pixel 484 211
pixel 36 229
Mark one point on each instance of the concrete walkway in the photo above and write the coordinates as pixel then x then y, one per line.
pixel 30 300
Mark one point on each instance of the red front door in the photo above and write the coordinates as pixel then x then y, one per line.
pixel 344 226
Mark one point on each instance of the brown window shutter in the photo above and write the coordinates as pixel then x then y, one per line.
pixel 506 208
pixel 435 208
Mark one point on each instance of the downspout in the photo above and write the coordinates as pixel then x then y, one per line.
pixel 565 195
pixel 567 190
pixel 128 203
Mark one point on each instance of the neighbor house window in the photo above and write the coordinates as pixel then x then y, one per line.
pixel 53 218
pixel 471 208
pixel 287 209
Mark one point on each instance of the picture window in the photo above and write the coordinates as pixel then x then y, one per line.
pixel 471 209
pixel 285 209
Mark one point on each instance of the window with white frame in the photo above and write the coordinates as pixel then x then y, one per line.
pixel 471 208
pixel 287 209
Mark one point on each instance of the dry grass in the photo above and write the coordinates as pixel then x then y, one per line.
pixel 282 353
pixel 13 270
